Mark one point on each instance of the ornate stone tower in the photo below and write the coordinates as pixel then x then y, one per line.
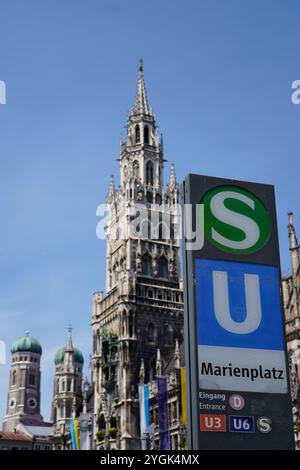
pixel 142 310
pixel 23 404
pixel 291 300
pixel 67 391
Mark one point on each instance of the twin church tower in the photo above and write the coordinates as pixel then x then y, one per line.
pixel 24 396
pixel 139 318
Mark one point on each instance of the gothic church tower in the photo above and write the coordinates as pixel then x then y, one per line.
pixel 67 392
pixel 142 310
pixel 24 397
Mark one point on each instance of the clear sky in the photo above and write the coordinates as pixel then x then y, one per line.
pixel 218 75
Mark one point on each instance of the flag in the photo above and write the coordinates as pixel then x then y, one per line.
pixel 183 402
pixel 183 395
pixel 72 432
pixel 147 410
pixel 76 429
pixel 83 428
pixel 144 412
pixel 163 420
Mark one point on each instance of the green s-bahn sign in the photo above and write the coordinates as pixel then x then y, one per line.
pixel 235 220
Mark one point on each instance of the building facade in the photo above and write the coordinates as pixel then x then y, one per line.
pixel 67 392
pixel 291 301
pixel 175 397
pixel 142 309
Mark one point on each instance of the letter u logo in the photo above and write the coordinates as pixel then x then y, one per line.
pixel 209 421
pixel 221 303
pixel 237 423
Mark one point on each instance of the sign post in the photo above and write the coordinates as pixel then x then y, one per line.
pixel 238 393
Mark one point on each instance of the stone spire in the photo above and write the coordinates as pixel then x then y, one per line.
pixel 141 103
pixel 69 346
pixel 158 363
pixel 142 372
pixel 177 355
pixel 172 182
pixel 294 247
pixel 111 187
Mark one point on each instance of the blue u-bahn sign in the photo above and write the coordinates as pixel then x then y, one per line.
pixel 234 328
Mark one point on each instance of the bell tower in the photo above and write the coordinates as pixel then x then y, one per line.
pixel 142 309
pixel 23 403
pixel 67 391
pixel 141 156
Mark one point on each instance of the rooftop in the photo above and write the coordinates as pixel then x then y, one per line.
pixel 39 430
pixel 14 436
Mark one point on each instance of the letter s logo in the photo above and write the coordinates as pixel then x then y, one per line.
pixel 243 222
pixel 235 220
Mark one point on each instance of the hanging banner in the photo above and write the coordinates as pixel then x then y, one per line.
pixel 163 421
pixel 77 437
pixel 237 376
pixel 83 431
pixel 183 396
pixel 147 405
pixel 73 436
pixel 144 414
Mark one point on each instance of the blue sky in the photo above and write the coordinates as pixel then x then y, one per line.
pixel 218 75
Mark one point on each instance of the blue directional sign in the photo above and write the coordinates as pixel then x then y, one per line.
pixel 238 305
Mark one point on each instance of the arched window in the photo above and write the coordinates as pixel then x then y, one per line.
pixel 63 385
pixel 14 377
pixel 69 385
pixel 98 342
pixel 102 424
pixel 149 197
pixel 146 134
pixel 150 293
pixel 151 333
pixel 149 173
pixel 162 267
pixel 158 199
pixel 124 321
pixel 168 334
pixel 113 422
pixel 130 324
pixel 147 264
pixel 68 409
pixel 137 134
pixel 31 379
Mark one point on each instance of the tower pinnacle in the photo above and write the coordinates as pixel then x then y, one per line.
pixel 294 247
pixel 141 102
pixel 69 346
pixel 172 183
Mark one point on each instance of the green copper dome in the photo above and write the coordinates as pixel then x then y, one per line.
pixel 26 344
pixel 59 356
